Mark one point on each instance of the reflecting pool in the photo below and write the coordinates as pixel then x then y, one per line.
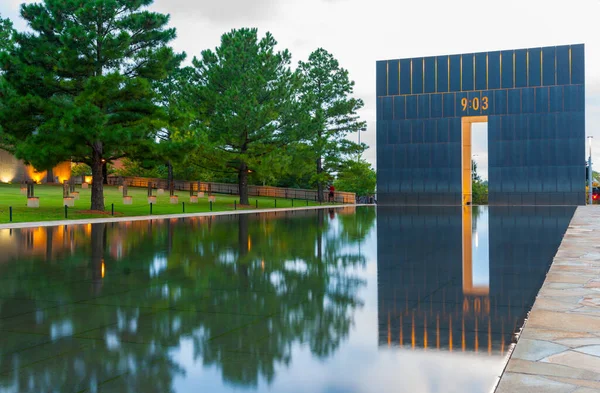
pixel 342 300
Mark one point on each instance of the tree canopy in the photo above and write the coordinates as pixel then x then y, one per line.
pixel 331 114
pixel 96 81
pixel 6 45
pixel 83 82
pixel 247 93
pixel 358 177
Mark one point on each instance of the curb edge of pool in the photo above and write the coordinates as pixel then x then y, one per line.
pixel 103 220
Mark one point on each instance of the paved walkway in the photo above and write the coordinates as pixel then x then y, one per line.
pixel 163 216
pixel 559 348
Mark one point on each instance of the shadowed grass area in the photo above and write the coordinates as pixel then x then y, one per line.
pixel 52 208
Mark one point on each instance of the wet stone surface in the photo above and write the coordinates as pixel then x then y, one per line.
pixel 559 348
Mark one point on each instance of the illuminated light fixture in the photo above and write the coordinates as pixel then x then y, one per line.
pixel 7 174
pixel 102 269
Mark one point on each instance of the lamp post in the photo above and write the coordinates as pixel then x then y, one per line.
pixel 590 172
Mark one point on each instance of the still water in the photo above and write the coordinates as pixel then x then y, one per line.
pixel 346 300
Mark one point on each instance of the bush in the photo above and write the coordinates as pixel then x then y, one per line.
pixel 81 170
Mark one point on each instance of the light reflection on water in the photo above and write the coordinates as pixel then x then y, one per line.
pixel 398 300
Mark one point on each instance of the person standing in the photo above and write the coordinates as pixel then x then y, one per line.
pixel 331 193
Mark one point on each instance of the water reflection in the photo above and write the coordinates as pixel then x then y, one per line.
pixel 280 302
pixel 462 279
pixel 104 306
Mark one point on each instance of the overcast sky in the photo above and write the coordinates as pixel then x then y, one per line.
pixel 359 32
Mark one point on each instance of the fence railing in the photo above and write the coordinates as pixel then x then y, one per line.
pixel 232 189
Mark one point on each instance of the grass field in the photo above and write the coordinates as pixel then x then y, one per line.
pixel 51 204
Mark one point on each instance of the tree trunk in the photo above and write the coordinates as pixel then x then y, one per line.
pixel 320 224
pixel 97 181
pixel 244 248
pixel 170 176
pixel 50 176
pixel 243 183
pixel 169 237
pixel 244 245
pixel 319 183
pixel 49 237
pixel 97 258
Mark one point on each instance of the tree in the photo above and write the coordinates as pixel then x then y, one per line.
pixel 331 113
pixel 83 81
pixel 248 92
pixel 357 177
pixel 6 35
pixel 6 45
pixel 174 130
pixel 479 188
pixel 81 170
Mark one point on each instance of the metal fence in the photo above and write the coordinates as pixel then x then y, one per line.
pixel 232 189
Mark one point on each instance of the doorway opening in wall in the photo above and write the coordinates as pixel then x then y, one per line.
pixel 474 160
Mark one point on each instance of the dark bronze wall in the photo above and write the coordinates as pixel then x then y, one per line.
pixel 535 103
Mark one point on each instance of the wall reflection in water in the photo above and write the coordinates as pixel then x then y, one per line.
pixel 109 305
pixel 462 278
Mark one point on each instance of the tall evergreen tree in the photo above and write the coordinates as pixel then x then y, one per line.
pixel 248 92
pixel 83 79
pixel 6 45
pixel 175 134
pixel 175 137
pixel 331 113
pixel 6 34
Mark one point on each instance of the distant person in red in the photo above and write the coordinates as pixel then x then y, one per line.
pixel 331 193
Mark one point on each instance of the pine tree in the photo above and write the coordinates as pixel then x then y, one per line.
pixel 83 82
pixel 6 45
pixel 331 114
pixel 248 92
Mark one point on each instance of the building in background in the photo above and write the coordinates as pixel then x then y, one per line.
pixel 533 101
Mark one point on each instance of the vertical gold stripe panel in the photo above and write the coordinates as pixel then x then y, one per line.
pixel 527 67
pixel 487 71
pixel 449 73
pixel 474 74
pixel 514 56
pixel 387 77
pixel 541 67
pixel 436 75
pixel 399 77
pixel 461 73
pixel 411 76
pixel 570 66
pixel 500 69
pixel 423 77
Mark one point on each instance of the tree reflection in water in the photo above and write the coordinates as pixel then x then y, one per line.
pixel 106 305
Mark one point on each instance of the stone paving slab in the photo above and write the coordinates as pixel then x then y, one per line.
pixel 559 347
pixel 84 221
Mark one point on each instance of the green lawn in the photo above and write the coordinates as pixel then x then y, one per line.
pixel 51 204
